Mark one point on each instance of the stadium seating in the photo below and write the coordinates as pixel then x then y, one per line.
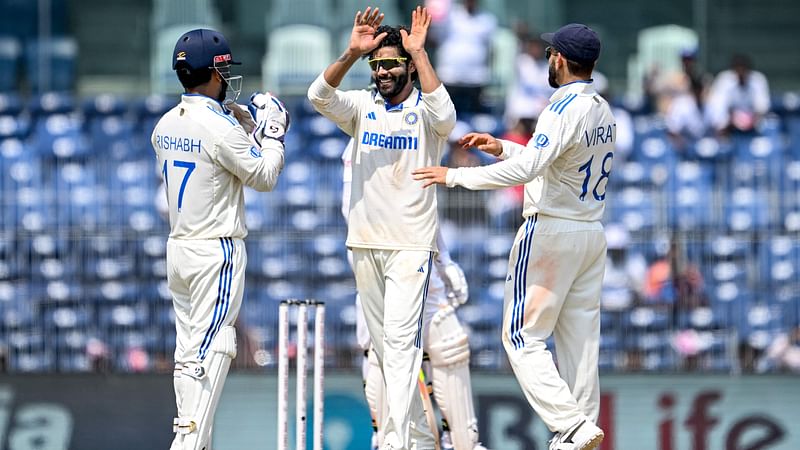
pixel 82 247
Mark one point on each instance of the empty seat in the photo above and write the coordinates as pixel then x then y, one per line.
pixel 296 55
pixel 51 64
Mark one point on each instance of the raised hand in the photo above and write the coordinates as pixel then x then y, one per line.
pixel 482 141
pixel 420 21
pixel 362 38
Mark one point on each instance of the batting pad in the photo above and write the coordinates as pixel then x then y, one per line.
pixel 449 353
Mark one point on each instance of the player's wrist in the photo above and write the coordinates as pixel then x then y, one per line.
pixel 417 53
pixel 351 54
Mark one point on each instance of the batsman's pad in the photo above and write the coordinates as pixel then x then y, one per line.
pixel 375 391
pixel 271 117
pixel 201 387
pixel 362 332
pixel 448 348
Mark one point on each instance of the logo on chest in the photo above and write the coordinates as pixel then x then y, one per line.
pixel 411 118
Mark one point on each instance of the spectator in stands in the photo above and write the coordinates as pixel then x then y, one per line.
pixel 680 97
pixel 624 273
pixel 784 352
pixel 464 57
pixel 673 280
pixel 530 92
pixel 738 99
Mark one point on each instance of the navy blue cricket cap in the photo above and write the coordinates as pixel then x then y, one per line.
pixel 576 42
pixel 202 48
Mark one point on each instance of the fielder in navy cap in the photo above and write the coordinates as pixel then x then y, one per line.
pixel 576 48
pixel 198 55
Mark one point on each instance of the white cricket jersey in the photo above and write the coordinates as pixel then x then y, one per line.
pixel 388 208
pixel 205 158
pixel 566 164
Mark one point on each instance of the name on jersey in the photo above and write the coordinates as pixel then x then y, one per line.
pixel 177 143
pixel 389 142
pixel 600 135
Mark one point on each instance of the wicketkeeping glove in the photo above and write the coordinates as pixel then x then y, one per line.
pixel 271 117
pixel 455 283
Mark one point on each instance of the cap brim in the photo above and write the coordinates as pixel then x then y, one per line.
pixel 548 37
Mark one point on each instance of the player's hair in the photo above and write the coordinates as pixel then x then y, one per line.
pixel 580 69
pixel 191 78
pixel 393 39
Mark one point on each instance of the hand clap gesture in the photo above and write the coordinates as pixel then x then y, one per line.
pixel 362 38
pixel 420 21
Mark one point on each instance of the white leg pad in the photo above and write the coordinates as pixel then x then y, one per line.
pixel 201 387
pixel 448 348
pixel 375 391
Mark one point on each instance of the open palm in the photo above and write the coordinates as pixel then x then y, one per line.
pixel 420 21
pixel 362 38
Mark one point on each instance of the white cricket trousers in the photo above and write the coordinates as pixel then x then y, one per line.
pixel 206 279
pixel 393 286
pixel 555 277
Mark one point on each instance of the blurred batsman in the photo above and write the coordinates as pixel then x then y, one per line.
pixel 392 221
pixel 206 157
pixel 445 346
pixel 557 262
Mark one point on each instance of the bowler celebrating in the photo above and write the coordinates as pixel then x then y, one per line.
pixel 392 221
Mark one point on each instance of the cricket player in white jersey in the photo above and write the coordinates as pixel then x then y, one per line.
pixel 444 341
pixel 392 221
pixel 206 157
pixel 556 266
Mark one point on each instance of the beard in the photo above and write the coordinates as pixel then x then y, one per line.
pixel 397 85
pixel 551 76
pixel 222 91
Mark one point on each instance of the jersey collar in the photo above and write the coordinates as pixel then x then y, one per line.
pixel 574 87
pixel 412 100
pixel 202 100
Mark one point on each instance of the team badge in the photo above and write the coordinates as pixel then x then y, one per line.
pixel 411 118
pixel 541 141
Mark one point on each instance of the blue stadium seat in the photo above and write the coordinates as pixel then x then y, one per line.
pixel 10 104
pixel 103 105
pixel 65 318
pixel 49 103
pixel 111 136
pixel 10 50
pixel 51 64
pixel 14 127
pixel 747 209
pixel 636 209
pixel 58 136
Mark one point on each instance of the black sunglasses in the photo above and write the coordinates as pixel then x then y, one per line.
pixel 386 63
pixel 548 51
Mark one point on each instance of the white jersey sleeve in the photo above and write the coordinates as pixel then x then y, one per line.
pixel 566 164
pixel 236 153
pixel 341 107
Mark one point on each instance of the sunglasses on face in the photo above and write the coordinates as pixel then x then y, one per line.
pixel 548 51
pixel 386 63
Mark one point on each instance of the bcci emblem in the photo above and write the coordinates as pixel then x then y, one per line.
pixel 411 118
pixel 541 141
